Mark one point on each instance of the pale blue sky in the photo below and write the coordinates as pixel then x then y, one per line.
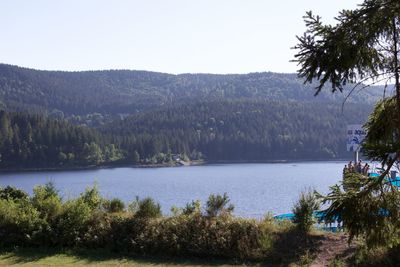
pixel 174 36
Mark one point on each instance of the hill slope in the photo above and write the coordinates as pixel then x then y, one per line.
pixel 256 116
pixel 240 130
pixel 32 141
pixel 122 91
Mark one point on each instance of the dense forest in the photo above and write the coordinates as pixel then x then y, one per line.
pixel 34 141
pixel 54 118
pixel 126 92
pixel 215 131
pixel 240 130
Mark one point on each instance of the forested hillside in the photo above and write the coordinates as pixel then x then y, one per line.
pixel 33 141
pixel 127 92
pixel 140 117
pixel 240 130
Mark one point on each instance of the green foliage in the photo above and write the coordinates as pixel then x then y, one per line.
pixel 49 190
pixel 303 211
pixel 259 116
pixel 80 96
pixel 62 157
pixel 92 153
pixel 383 138
pixel 134 205
pixel 72 223
pixel 369 206
pixel 12 193
pixel 47 201
pixel 115 205
pixel 360 46
pixel 111 153
pixel 337 263
pixel 218 205
pixel 191 235
pixel 19 222
pixel 148 208
pixel 240 130
pixel 193 207
pixel 368 209
pixel 176 211
pixel 36 141
pixel 376 257
pixel 136 157
pixel 80 224
pixel 92 197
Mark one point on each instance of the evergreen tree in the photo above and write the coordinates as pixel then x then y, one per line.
pixel 93 153
pixel 136 157
pixel 362 47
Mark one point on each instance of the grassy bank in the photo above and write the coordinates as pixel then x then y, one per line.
pixel 57 257
pixel 104 257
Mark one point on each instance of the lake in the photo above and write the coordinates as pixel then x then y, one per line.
pixel 254 189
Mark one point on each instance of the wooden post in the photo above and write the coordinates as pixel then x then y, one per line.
pixel 356 156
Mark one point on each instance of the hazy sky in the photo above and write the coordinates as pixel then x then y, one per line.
pixel 175 36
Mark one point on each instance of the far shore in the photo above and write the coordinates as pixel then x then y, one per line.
pixel 165 165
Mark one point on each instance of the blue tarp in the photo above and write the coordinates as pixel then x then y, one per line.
pixel 320 214
pixel 289 216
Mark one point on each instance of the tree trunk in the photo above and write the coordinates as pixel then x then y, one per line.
pixel 397 76
pixel 396 64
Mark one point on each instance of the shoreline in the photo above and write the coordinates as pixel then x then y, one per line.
pixel 144 166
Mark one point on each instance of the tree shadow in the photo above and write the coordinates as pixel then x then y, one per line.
pixel 293 246
pixel 290 247
pixel 26 255
pixel 91 256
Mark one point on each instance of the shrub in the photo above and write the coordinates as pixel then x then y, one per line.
pixel 133 207
pixel 218 205
pixel 44 220
pixel 72 222
pixel 176 211
pixel 115 205
pixel 19 222
pixel 189 235
pixel 12 193
pixel 192 208
pixel 148 208
pixel 97 230
pixel 92 197
pixel 50 189
pixel 303 211
pixel 47 201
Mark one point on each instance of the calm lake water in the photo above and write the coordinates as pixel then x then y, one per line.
pixel 254 189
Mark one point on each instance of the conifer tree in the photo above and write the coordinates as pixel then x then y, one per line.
pixel 363 47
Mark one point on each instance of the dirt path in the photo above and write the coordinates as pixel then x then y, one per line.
pixel 330 246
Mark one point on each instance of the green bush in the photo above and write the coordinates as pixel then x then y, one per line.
pixel 12 193
pixel 303 211
pixel 97 230
pixel 72 223
pixel 19 222
pixel 189 235
pixel 218 205
pixel 192 208
pixel 45 220
pixel 47 201
pixel 92 197
pixel 114 205
pixel 148 208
